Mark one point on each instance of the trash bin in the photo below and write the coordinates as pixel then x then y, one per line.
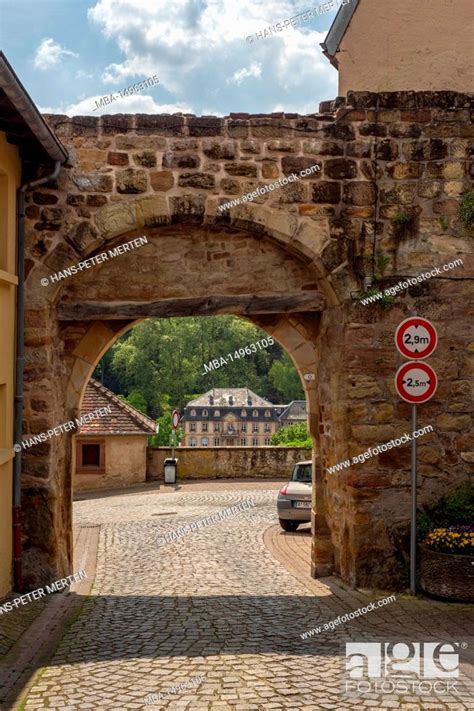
pixel 170 467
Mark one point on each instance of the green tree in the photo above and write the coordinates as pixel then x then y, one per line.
pixel 162 438
pixel 286 380
pixel 296 435
pixel 160 362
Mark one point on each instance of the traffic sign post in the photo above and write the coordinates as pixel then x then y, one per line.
pixel 416 338
pixel 415 382
pixel 174 424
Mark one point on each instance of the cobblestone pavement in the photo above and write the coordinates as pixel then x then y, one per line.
pixel 216 603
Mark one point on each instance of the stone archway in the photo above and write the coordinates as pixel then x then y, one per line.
pixel 295 259
pixel 183 269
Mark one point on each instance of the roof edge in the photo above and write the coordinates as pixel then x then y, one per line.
pixel 139 417
pixel 26 107
pixel 338 29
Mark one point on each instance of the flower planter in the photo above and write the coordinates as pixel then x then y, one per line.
pixel 447 575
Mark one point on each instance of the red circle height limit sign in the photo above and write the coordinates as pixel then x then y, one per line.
pixel 175 419
pixel 416 382
pixel 416 338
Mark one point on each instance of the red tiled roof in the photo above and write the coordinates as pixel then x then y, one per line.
pixel 123 420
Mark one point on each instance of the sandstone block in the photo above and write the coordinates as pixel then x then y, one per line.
pixel 164 124
pixel 41 198
pixel 362 386
pixel 387 150
pixel 359 149
pixel 196 180
pixel 250 146
pixel 93 182
pixel 161 180
pixel 96 200
pixel 450 423
pixel 152 210
pixel 231 187
pixel 340 168
pixel 205 126
pixel 270 170
pixel 128 143
pixel 246 169
pixel 182 160
pixel 131 181
pixel 405 171
pixel 402 194
pixel 326 192
pixel 382 413
pixel 323 148
pixel 219 150
pixel 295 164
pixel 114 219
pixel 359 193
pixel 430 188
pixel 147 159
pixel 86 238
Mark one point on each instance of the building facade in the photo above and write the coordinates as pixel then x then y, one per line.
pixel 110 451
pixel 378 45
pixel 232 417
pixel 25 139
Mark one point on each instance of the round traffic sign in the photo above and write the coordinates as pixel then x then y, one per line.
pixel 416 382
pixel 416 337
pixel 175 419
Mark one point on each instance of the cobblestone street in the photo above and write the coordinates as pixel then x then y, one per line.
pixel 219 603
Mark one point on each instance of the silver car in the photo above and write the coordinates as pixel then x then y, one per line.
pixel 294 499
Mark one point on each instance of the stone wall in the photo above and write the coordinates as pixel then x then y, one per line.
pixel 227 462
pixel 393 168
pixel 125 464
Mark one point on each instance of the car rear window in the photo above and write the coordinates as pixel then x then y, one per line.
pixel 302 472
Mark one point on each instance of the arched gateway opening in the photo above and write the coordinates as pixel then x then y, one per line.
pixel 183 268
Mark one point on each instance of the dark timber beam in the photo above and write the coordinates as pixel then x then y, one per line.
pixel 242 305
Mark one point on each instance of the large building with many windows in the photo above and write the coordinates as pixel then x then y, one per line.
pixel 230 417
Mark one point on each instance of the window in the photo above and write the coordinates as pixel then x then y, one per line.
pixel 255 427
pixel 204 441
pixel 193 413
pixel 205 427
pixel 255 413
pixel 192 441
pixel 90 456
pixel 216 442
pixel 217 427
pixel 267 441
pixel 243 413
pixel 243 427
pixel 192 427
pixel 205 413
pixel 267 427
pixel 255 441
pixel 267 413
pixel 302 472
pixel 243 442
pixel 217 413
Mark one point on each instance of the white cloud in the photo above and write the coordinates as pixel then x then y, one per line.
pixel 255 70
pixel 49 53
pixel 200 54
pixel 128 105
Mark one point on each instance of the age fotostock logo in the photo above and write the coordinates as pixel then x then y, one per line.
pixel 387 667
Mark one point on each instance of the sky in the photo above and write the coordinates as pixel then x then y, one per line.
pixel 205 53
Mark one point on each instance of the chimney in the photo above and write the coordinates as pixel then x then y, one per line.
pixel 211 400
pixel 249 401
pixel 231 400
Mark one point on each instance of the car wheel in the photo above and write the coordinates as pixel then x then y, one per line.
pixel 288 525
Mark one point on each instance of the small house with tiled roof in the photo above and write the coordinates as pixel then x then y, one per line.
pixel 110 450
